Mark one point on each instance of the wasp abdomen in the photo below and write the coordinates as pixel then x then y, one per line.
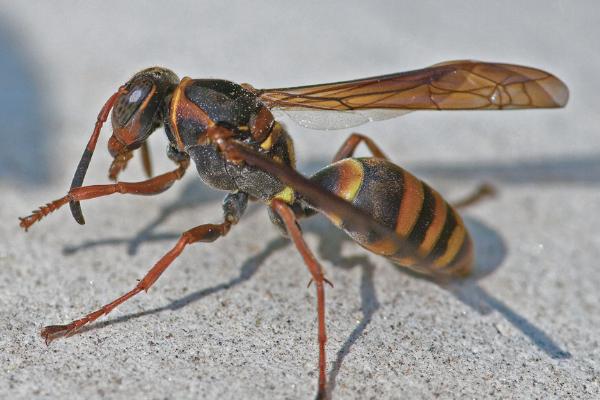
pixel 434 236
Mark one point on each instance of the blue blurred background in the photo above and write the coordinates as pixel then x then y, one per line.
pixel 60 60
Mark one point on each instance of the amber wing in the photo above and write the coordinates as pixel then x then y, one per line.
pixel 454 85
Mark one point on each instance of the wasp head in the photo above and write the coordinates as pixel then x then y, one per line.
pixel 137 112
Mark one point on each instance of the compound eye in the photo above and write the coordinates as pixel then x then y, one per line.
pixel 128 104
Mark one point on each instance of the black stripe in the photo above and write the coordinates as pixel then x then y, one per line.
pixel 381 191
pixel 328 178
pixel 442 243
pixel 417 235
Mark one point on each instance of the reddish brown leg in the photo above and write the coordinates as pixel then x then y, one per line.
pixel 202 233
pixel 349 146
pixel 287 214
pixel 118 164
pixel 155 185
pixel 84 163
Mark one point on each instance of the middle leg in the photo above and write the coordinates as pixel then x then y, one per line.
pixel 233 206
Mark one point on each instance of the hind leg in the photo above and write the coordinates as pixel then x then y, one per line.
pixel 233 207
pixel 484 190
pixel 316 271
pixel 350 145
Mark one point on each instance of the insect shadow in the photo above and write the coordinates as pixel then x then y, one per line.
pixel 490 251
pixel 193 195
pixel 489 247
pixel 581 169
pixel 25 154
pixel 330 249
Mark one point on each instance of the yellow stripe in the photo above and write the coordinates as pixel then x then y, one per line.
pixel 268 143
pixel 351 175
pixel 272 138
pixel 454 244
pixel 174 103
pixel 287 195
pixel 463 265
pixel 350 178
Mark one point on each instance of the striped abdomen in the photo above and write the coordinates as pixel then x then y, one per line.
pixel 429 235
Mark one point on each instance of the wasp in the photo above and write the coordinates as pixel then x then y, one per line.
pixel 228 130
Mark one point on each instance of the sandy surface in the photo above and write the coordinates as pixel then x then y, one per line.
pixel 234 319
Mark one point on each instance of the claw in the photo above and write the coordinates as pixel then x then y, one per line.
pixel 42 211
pixel 327 281
pixel 26 222
pixel 51 332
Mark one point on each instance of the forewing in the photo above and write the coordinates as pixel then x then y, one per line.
pixel 454 85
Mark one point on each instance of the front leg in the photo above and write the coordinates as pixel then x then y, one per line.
pixel 151 186
pixel 233 207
